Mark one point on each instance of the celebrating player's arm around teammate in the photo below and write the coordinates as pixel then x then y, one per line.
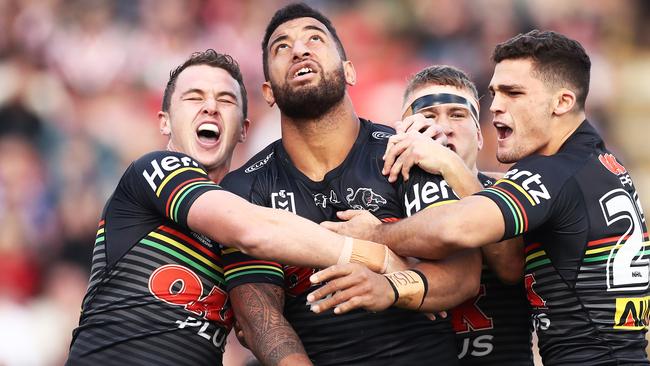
pixel 492 328
pixel 329 160
pixel 586 270
pixel 157 293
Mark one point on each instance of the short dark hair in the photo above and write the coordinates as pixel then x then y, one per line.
pixel 557 59
pixel 212 58
pixel 441 75
pixel 290 12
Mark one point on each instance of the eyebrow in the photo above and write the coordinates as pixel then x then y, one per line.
pixel 200 91
pixel 284 36
pixel 506 87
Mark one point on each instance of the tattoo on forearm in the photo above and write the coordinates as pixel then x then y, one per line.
pixel 259 310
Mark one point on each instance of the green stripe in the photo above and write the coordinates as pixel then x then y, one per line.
pixel 187 190
pixel 604 257
pixel 511 206
pixel 228 278
pixel 100 239
pixel 183 258
pixel 538 263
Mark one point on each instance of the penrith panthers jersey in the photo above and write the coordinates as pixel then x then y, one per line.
pixel 156 294
pixel 492 328
pixel 392 337
pixel 586 251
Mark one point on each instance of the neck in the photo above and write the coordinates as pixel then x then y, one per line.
pixel 565 127
pixel 316 146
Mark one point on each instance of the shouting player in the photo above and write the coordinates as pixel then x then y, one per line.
pixel 157 292
pixel 492 328
pixel 587 269
pixel 329 160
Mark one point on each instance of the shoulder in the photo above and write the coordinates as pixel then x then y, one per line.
pixel 377 133
pixel 240 181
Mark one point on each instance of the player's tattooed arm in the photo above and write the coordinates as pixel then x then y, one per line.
pixel 259 311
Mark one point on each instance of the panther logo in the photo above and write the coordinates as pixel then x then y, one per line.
pixel 364 199
pixel 321 199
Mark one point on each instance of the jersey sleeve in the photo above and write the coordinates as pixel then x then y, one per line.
pixel 527 194
pixel 424 190
pixel 168 183
pixel 240 268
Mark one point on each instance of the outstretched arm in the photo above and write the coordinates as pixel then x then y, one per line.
pixel 259 311
pixel 280 235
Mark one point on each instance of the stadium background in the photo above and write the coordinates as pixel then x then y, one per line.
pixel 81 82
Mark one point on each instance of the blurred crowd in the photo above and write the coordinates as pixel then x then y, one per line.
pixel 81 82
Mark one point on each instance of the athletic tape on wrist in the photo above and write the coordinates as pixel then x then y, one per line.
pixel 372 255
pixel 410 288
pixel 346 252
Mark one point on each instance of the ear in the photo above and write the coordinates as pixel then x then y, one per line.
pixel 244 130
pixel 565 100
pixel 165 123
pixel 350 73
pixel 479 139
pixel 267 93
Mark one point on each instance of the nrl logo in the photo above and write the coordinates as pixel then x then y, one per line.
pixel 364 199
pixel 381 135
pixel 321 199
pixel 258 164
pixel 283 200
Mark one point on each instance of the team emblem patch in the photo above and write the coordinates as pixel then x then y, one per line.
pixel 283 200
pixel 364 199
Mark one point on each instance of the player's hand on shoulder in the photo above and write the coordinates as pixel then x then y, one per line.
pixel 350 286
pixel 358 224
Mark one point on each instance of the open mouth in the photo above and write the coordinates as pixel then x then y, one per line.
pixel 503 131
pixel 208 133
pixel 303 71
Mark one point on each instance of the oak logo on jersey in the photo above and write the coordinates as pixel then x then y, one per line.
pixel 321 200
pixel 468 316
pixel 180 286
pixel 531 186
pixel 296 280
pixel 364 199
pixel 283 200
pixel 427 194
pixel 610 162
pixel 632 313
pixel 258 164
pixel 167 164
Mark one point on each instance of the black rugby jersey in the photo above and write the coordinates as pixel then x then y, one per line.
pixel 492 328
pixel 391 337
pixel 156 294
pixel 586 256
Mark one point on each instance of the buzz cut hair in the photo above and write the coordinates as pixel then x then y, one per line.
pixel 441 75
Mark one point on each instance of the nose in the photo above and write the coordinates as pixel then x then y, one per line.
pixel 445 124
pixel 209 106
pixel 300 50
pixel 497 104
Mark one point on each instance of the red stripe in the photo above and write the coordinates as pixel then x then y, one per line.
pixel 190 241
pixel 521 207
pixel 611 239
pixel 531 247
pixel 390 219
pixel 101 223
pixel 241 264
pixel 171 196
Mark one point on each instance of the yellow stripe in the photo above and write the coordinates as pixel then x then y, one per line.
pixel 180 193
pixel 231 271
pixel 440 203
pixel 172 175
pixel 535 255
pixel 608 248
pixel 518 187
pixel 100 231
pixel 187 250
pixel 230 250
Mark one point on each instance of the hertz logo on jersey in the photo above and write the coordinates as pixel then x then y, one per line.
pixel 531 186
pixel 158 174
pixel 632 313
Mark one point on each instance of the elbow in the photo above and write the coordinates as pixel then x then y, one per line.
pixel 511 273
